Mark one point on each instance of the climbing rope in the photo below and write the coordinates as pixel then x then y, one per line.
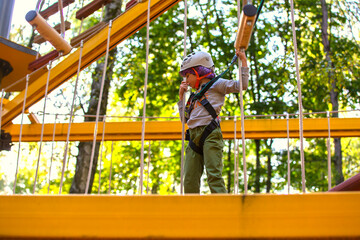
pixel 101 151
pixel 145 94
pixel 288 152
pixel 111 158
pixel 20 134
pixel 148 169
pixel 183 107
pixel 1 106
pixel 242 113
pixel 38 5
pixel 62 21
pixel 102 13
pixel 98 109
pixel 329 151
pixel 299 99
pixel 259 11
pixel 82 19
pixel 52 152
pixel 71 117
pixel 236 165
pixel 42 126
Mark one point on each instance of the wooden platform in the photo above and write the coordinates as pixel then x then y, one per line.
pixel 316 215
pixel 19 58
pixel 54 8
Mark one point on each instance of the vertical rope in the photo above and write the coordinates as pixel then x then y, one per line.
pixel 288 152
pixel 242 115
pixel 183 105
pixel 101 150
pixel 42 126
pixel 1 107
pixel 110 174
pixel 67 14
pixel 145 94
pixel 20 134
pixel 102 13
pixel 71 116
pixel 82 19
pixel 62 22
pixel 236 172
pixel 81 24
pixel 98 109
pixel 52 152
pixel 299 100
pixel 38 50
pixel 148 169
pixel 329 151
pixel 37 8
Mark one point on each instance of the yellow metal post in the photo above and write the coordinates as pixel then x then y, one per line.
pixel 171 130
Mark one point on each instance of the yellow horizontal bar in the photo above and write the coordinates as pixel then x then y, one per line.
pixel 171 130
pixel 124 26
pixel 317 215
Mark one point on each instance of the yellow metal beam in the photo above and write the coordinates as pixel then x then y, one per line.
pixel 317 215
pixel 123 26
pixel 171 130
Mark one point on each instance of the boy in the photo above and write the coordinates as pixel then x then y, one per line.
pixel 205 141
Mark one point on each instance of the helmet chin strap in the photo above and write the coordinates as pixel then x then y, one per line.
pixel 199 78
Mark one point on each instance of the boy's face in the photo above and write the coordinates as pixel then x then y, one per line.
pixel 191 79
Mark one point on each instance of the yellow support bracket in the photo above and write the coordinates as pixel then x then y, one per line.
pixel 259 216
pixel 123 27
pixel 171 130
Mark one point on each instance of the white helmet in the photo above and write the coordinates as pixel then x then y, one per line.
pixel 197 59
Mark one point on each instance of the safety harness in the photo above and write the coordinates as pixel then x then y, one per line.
pixel 215 123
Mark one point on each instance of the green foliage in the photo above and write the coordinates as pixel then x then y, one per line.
pixel 272 90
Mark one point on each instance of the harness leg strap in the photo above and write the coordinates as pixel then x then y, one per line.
pixel 195 148
pixel 207 131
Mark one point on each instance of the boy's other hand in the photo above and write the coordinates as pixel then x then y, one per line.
pixel 182 89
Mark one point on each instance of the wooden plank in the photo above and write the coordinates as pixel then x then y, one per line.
pixel 87 34
pixel 130 4
pixel 33 119
pixel 171 130
pixel 351 184
pixel 54 8
pixel 258 216
pixel 38 39
pixel 41 61
pixel 90 8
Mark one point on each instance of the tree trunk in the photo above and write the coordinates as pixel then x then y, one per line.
pixel 334 91
pixel 83 159
pixel 258 166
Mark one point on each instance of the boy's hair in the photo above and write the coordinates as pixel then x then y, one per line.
pixel 201 70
